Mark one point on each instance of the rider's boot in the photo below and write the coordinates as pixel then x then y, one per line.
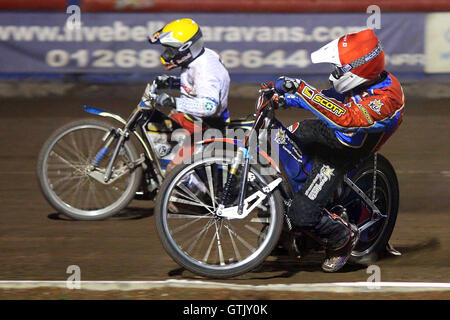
pixel 339 237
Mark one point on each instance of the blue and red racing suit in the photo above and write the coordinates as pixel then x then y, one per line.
pixel 376 109
pixel 349 128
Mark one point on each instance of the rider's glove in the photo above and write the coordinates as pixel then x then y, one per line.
pixel 164 81
pixel 282 102
pixel 286 85
pixel 164 100
pixel 279 101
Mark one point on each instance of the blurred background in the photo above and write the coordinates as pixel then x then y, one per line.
pixel 257 40
pixel 49 70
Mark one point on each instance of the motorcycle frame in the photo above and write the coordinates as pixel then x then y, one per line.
pixel 139 118
pixel 265 120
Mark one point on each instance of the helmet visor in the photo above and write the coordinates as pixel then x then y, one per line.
pixel 169 54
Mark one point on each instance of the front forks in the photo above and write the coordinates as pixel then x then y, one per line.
pixel 242 153
pixel 245 205
pixel 123 136
pixel 110 137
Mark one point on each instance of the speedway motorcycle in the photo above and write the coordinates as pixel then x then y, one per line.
pixel 221 215
pixel 90 169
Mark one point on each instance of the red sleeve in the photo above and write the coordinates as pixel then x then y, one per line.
pixel 366 111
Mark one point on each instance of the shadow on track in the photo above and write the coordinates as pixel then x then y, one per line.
pixel 280 265
pixel 287 267
pixel 427 245
pixel 129 213
pixel 277 267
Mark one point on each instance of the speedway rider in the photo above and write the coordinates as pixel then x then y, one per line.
pixel 361 110
pixel 203 83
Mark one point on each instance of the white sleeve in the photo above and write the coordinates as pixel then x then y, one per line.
pixel 200 107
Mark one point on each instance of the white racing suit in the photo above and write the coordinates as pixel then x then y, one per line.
pixel 204 86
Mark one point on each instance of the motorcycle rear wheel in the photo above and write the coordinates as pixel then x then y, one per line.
pixel 373 240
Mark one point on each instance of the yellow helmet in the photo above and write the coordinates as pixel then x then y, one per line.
pixel 183 41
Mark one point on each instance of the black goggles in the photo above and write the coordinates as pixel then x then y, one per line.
pixel 337 72
pixel 170 53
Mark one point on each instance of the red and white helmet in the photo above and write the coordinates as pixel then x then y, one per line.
pixel 357 58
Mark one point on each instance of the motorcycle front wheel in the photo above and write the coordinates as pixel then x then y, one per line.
pixel 72 183
pixel 197 238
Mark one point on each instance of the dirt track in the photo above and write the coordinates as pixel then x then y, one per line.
pixel 36 243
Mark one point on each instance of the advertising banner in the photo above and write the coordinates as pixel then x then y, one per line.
pixel 249 44
pixel 437 43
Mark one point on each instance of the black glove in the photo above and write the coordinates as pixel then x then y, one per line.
pixel 278 101
pixel 282 101
pixel 164 81
pixel 164 100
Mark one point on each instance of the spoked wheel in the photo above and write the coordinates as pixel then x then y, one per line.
pixel 73 184
pixel 376 229
pixel 202 241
